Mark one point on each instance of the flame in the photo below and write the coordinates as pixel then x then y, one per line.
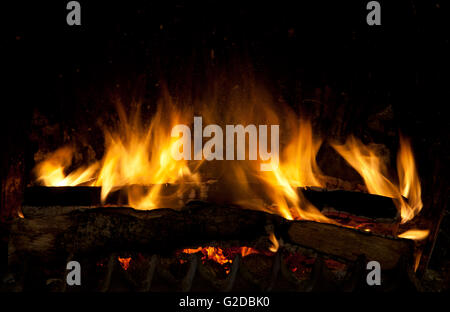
pixel 210 253
pixel 415 234
pixel 124 262
pixel 369 164
pixel 216 254
pixel 297 169
pixel 51 171
pixel 135 154
pixel 246 251
pixel 141 155
pixel 138 153
pixel 276 245
pixel 409 181
pixel 300 166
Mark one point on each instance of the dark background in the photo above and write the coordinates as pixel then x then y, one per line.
pixel 63 77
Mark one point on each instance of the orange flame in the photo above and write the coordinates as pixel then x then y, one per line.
pixel 124 262
pixel 276 245
pixel 369 164
pixel 51 171
pixel 409 181
pixel 415 234
pixel 246 251
pixel 138 154
pixel 210 253
pixel 141 154
pixel 135 154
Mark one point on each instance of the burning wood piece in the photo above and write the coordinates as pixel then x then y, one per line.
pixel 355 203
pixel 61 196
pixel 122 229
pixel 165 229
pixel 57 200
pixel 162 231
pixel 347 244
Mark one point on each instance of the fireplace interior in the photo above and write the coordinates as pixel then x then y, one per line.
pixel 86 173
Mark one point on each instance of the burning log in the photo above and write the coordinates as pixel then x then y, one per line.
pixel 355 203
pixel 347 244
pixel 62 196
pixel 40 201
pixel 118 229
pixel 163 230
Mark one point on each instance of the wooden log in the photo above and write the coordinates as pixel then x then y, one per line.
pixel 41 201
pixel 126 229
pixel 62 196
pixel 355 203
pixel 348 244
pixel 163 230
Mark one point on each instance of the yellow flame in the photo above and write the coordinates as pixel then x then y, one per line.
pixel 415 234
pixel 275 244
pixel 140 154
pixel 366 161
pixel 409 181
pixel 51 171
pixel 299 161
pixel 298 168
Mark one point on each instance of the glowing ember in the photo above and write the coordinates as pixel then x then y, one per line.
pixel 217 254
pixel 245 251
pixel 210 253
pixel 124 262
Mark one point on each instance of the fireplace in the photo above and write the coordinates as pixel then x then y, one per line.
pixel 183 151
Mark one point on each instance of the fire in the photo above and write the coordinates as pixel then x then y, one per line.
pixel 415 234
pixel 246 251
pixel 135 154
pixel 141 155
pixel 298 168
pixel 211 253
pixel 51 172
pixel 409 181
pixel 369 164
pixel 217 254
pixel 138 153
pixel 276 245
pixel 124 262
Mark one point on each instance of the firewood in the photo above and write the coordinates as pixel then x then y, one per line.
pixel 355 203
pixel 116 229
pixel 40 201
pixel 164 230
pixel 62 196
pixel 347 244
